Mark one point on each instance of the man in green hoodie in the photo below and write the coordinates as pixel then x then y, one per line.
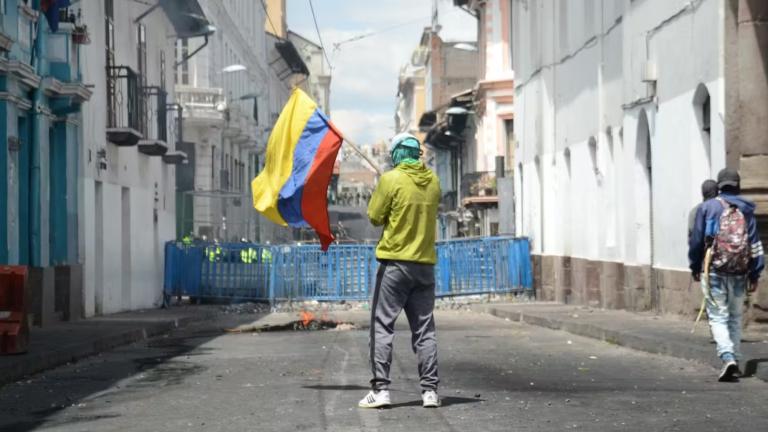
pixel 405 203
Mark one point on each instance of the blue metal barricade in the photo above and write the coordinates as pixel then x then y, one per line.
pixel 245 271
pixel 182 270
pixel 236 271
pixel 344 272
pixel 483 265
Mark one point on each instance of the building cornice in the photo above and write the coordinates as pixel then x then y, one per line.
pixel 54 87
pixel 23 71
pixel 499 90
pixel 497 84
pixel 21 103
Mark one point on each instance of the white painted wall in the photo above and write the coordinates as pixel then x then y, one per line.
pixel 578 79
pixel 240 39
pixel 122 275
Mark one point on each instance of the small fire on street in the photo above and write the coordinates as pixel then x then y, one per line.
pixel 306 321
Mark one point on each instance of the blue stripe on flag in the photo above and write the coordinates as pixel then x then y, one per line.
pixel 289 202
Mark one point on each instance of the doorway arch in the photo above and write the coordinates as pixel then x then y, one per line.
pixel 702 106
pixel 644 190
pixel 644 206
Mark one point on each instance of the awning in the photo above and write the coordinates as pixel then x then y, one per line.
pixel 440 137
pixel 427 120
pixel 187 17
pixel 291 55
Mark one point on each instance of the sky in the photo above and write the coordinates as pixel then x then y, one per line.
pixel 365 72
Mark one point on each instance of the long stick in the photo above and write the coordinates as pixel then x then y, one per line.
pixel 704 287
pixel 359 151
pixel 701 312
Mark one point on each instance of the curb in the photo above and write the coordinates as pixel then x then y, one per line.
pixel 41 361
pixel 625 339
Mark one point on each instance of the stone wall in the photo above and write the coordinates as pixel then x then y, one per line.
pixel 614 285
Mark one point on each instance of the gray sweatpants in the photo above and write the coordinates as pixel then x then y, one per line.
pixel 410 286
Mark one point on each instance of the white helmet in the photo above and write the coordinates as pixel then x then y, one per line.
pixel 404 139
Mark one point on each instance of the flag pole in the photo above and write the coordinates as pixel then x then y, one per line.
pixel 360 152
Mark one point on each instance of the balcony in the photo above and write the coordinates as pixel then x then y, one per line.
pixel 74 93
pixel 203 106
pixel 479 188
pixel 124 106
pixel 175 158
pixel 154 122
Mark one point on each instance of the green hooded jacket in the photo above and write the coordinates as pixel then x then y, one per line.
pixel 405 202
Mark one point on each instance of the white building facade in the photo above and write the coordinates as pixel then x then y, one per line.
pixel 619 117
pixel 128 156
pixel 231 91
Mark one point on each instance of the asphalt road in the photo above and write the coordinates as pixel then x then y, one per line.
pixel 496 376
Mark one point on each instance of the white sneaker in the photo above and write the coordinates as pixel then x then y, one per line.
pixel 430 399
pixel 375 399
pixel 729 372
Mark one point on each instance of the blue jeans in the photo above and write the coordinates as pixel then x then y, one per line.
pixel 724 311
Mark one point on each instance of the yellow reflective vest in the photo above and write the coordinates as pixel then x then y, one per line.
pixel 266 256
pixel 213 253
pixel 248 255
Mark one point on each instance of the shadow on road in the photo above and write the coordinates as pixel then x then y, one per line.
pixel 750 368
pixel 46 399
pixel 336 387
pixel 445 402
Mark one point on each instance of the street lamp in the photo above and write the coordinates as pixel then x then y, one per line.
pixel 222 106
pixel 234 68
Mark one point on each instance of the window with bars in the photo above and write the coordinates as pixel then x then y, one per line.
pixel 141 51
pixel 162 70
pixel 109 27
pixel 141 60
pixel 182 51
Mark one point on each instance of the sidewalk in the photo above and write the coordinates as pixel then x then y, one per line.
pixel 641 331
pixel 65 342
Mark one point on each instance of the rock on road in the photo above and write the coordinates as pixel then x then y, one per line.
pixel 496 376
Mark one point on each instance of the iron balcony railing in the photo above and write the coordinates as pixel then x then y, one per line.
pixel 203 103
pixel 124 98
pixel 155 121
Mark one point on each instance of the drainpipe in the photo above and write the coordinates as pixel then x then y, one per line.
pixel 35 211
pixel 192 54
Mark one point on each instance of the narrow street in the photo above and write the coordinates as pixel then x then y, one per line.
pixel 496 376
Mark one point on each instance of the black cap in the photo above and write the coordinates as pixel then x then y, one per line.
pixel 709 189
pixel 728 177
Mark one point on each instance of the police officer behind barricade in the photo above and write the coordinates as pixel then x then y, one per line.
pixel 213 252
pixel 248 254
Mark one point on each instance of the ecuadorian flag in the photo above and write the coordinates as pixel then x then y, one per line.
pixel 292 189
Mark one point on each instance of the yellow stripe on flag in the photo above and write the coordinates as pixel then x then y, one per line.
pixel 280 148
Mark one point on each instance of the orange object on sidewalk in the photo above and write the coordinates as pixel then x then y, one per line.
pixel 14 328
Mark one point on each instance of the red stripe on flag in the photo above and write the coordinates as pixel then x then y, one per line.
pixel 314 203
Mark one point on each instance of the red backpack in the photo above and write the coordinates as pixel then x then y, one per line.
pixel 730 249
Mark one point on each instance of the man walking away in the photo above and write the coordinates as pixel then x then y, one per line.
pixel 708 191
pixel 728 224
pixel 405 202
